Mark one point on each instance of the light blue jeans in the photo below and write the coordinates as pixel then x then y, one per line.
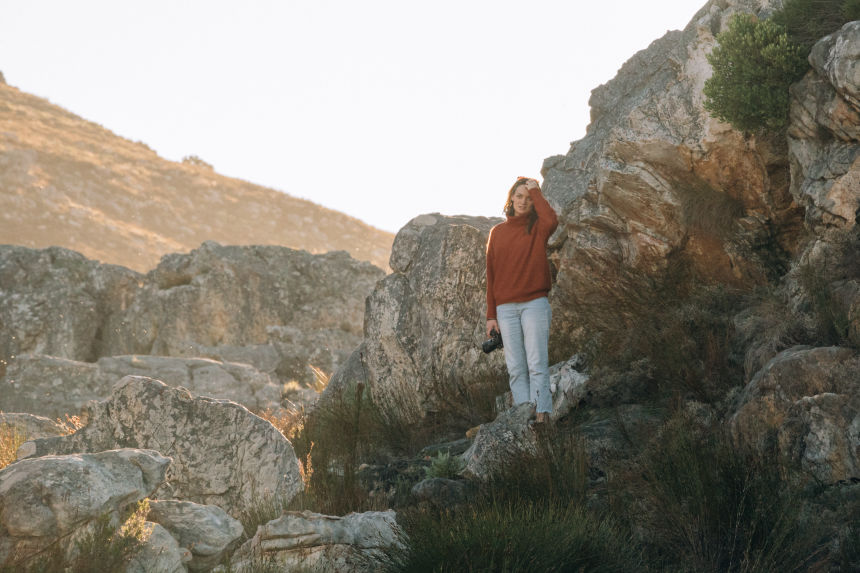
pixel 525 334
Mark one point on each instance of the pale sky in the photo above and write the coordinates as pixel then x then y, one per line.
pixel 383 110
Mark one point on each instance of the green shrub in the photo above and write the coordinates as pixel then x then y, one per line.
pixel 444 466
pixel 704 505
pixel 754 65
pixel 807 21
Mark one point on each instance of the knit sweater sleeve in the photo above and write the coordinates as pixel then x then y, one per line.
pixel 491 298
pixel 547 219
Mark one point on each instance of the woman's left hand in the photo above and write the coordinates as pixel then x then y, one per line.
pixel 532 184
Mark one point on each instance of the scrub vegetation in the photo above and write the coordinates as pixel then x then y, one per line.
pixel 756 61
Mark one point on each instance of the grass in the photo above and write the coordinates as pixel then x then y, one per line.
pixel 702 504
pixel 530 516
pixel 672 329
pixel 10 440
pixel 105 547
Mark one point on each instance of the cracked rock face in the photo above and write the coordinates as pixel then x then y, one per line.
pixel 222 454
pixel 53 386
pixel 824 135
pixel 656 178
pixel 323 542
pixel 806 404
pixel 49 497
pixel 277 309
pixel 425 322
pixel 206 531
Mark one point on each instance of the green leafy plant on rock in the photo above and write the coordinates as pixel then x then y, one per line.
pixel 807 21
pixel 754 65
pixel 444 465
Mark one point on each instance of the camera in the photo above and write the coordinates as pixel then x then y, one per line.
pixel 494 342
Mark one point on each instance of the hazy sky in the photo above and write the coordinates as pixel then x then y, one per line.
pixel 381 109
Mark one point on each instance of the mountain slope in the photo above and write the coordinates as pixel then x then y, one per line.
pixel 69 182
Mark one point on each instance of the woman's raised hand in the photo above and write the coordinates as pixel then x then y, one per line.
pixel 532 184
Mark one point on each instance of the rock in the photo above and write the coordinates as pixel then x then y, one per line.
pixel 51 497
pixel 424 323
pixel 442 492
pixel 54 386
pixel 29 426
pixel 322 542
pixel 508 436
pixel 824 134
pixel 230 303
pixel 222 454
pixel 277 309
pixel 57 302
pixel 204 530
pixel 657 179
pixel 805 403
pixel 160 552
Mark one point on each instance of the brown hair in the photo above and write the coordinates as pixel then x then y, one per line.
pixel 509 204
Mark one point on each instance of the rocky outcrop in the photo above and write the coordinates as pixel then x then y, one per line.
pixel 805 404
pixel 206 531
pixel 824 133
pixel 54 386
pixel 425 322
pixel 511 433
pixel 53 498
pixel 271 307
pixel 30 427
pixel 159 552
pixel 222 454
pixel 305 540
pixel 656 179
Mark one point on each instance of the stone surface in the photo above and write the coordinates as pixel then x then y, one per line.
pixel 657 179
pixel 160 553
pixel 498 441
pixel 31 427
pixel 51 497
pixel 222 454
pixel 323 542
pixel 442 492
pixel 277 309
pixel 204 530
pixel 53 386
pixel 805 403
pixel 425 322
pixel 824 133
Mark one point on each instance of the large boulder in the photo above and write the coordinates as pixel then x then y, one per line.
pixel 824 133
pixel 315 542
pixel 277 309
pixel 425 322
pixel 805 404
pixel 56 301
pixel 206 531
pixel 29 426
pixel 657 179
pixel 222 454
pixel 53 497
pixel 53 386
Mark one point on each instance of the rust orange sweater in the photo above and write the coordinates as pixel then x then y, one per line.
pixel 517 267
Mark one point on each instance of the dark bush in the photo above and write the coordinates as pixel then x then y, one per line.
pixel 704 505
pixel 807 21
pixel 754 65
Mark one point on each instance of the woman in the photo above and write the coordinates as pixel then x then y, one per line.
pixel 518 281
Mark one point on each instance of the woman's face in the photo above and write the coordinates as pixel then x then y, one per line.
pixel 522 201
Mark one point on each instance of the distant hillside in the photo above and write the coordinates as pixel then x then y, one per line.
pixel 69 182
